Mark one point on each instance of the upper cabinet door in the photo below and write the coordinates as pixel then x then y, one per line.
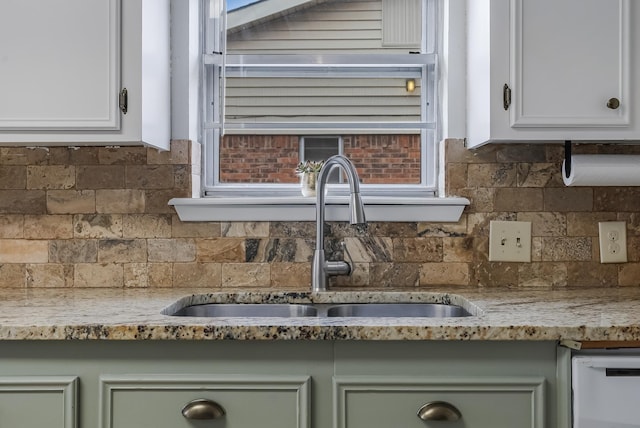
pixel 65 63
pixel 569 58
pixel 552 70
pixel 60 64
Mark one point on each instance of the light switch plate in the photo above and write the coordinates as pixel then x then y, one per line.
pixel 613 241
pixel 510 241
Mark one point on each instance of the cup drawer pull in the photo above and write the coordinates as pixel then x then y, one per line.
pixel 439 411
pixel 202 408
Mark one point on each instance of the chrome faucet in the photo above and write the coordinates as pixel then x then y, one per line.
pixel 321 269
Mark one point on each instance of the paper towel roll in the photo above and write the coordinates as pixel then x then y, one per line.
pixel 602 170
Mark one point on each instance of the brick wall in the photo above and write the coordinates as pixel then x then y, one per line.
pixel 273 158
pixel 98 217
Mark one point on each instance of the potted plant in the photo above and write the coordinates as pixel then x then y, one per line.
pixel 308 172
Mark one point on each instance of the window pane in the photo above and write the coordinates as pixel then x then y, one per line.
pixel 380 159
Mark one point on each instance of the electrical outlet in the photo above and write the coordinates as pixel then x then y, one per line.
pixel 613 241
pixel 510 241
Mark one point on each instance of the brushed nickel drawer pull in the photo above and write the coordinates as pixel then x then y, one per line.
pixel 202 408
pixel 439 411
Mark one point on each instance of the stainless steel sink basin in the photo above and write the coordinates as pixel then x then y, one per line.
pixel 247 310
pixel 287 310
pixel 397 310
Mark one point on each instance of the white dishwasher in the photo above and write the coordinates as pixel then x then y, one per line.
pixel 606 390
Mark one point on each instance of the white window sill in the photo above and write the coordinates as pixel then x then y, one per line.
pixel 299 208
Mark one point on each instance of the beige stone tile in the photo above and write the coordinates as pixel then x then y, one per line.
pixel 592 274
pixel 244 229
pixel 370 249
pixel 536 249
pixel 586 223
pixel 14 156
pixel 51 177
pixel 550 275
pixel 182 176
pixel 122 251
pixel 491 175
pixel 23 202
pixel 616 199
pixel 71 201
pixel 284 229
pixel 629 275
pixel 100 177
pixel 49 275
pixel 160 275
pixel 150 177
pixel 455 151
pixel 291 275
pixel 443 229
pixel 11 226
pixel 273 250
pixel 98 275
pixel 178 154
pixel 394 275
pixel 480 224
pixel 13 177
pixel 73 155
pixel 520 153
pixel 157 201
pixel 12 275
pixel 458 249
pixel 97 226
pixel 568 199
pixel 171 250
pixel 24 251
pixel 539 175
pixel 391 229
pixel 417 250
pixel 194 229
pixel 482 200
pixel 519 199
pixel 146 226
pixel 633 248
pixel 136 275
pixel 495 274
pixel 48 226
pixel 220 250
pixel 455 177
pixel 633 222
pixel 73 251
pixel 125 155
pixel 207 275
pixel 567 249
pixel 444 274
pixel 246 275
pixel 116 201
pixel 545 223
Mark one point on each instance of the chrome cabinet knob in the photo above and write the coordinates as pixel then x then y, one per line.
pixel 613 103
pixel 439 411
pixel 202 408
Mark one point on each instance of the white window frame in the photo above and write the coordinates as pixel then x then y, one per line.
pixel 217 65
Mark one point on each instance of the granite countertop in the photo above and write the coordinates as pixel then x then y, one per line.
pixel 604 314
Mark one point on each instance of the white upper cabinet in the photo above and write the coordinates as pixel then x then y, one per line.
pixel 541 70
pixel 64 65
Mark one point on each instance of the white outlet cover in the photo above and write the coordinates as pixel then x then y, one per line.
pixel 613 241
pixel 510 241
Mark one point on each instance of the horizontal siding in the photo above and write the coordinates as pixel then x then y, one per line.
pixel 342 26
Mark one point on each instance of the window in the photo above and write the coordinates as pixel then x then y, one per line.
pixel 291 80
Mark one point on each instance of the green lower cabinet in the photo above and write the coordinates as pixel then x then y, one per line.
pixel 205 401
pixel 388 402
pixel 38 401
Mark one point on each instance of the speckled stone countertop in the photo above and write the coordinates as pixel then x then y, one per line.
pixel 606 314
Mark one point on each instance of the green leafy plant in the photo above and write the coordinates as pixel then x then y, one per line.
pixel 309 166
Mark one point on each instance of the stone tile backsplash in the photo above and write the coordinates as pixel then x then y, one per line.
pixel 98 217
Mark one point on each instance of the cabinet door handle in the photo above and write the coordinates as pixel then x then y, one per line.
pixel 439 411
pixel 506 96
pixel 202 408
pixel 613 103
pixel 123 100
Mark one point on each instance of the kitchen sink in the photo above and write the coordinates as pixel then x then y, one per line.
pixel 286 310
pixel 247 310
pixel 397 310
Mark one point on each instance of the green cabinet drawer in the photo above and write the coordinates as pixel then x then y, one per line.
pixel 38 401
pixel 390 402
pixel 157 401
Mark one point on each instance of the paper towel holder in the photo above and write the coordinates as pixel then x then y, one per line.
pixel 567 157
